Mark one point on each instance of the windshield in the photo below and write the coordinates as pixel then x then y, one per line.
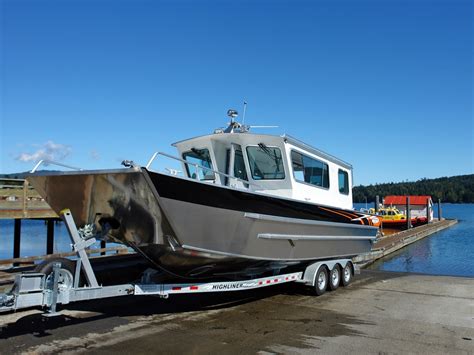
pixel 265 162
pixel 199 157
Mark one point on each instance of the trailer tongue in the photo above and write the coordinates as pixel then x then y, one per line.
pixel 60 286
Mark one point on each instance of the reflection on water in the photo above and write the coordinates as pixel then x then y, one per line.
pixel 448 252
pixel 33 238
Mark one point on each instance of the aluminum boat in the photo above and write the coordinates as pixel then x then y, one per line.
pixel 239 204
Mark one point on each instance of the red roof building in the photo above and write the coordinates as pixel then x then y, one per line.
pixel 420 206
pixel 402 200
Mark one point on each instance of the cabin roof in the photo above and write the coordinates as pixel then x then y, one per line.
pixel 221 136
pixel 316 151
pixel 402 200
pixel 286 138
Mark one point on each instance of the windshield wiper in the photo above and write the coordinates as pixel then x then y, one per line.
pixel 273 155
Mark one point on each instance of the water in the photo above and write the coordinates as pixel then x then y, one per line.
pixel 33 238
pixel 449 252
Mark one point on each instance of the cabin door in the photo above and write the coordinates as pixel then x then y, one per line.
pixel 236 166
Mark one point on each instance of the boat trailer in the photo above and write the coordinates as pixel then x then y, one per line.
pixel 59 286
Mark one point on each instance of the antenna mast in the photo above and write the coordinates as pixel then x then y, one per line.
pixel 243 115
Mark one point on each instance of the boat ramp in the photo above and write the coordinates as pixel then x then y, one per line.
pixel 381 312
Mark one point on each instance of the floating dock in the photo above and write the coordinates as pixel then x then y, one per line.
pixel 393 242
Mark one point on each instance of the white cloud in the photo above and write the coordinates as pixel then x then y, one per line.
pixel 46 151
pixel 94 155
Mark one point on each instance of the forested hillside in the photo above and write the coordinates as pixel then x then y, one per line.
pixel 455 189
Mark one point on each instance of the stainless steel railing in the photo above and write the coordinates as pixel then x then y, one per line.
pixel 198 166
pixel 51 162
pixel 148 165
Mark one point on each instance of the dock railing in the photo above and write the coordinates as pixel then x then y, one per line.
pixel 19 200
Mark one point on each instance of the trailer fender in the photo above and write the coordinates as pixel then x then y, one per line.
pixel 309 276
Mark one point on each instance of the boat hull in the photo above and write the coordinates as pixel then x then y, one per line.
pixel 194 229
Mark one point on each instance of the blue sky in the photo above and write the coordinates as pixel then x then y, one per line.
pixel 386 85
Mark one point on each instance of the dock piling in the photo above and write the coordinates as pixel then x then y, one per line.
pixel 49 236
pixel 16 239
pixel 439 210
pixel 103 245
pixel 408 213
pixel 377 202
pixel 428 214
pixel 25 198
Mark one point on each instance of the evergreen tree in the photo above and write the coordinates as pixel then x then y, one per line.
pixel 454 189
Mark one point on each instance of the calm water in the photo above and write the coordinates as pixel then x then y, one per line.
pixel 449 252
pixel 33 238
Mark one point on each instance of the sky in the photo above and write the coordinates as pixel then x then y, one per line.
pixel 386 85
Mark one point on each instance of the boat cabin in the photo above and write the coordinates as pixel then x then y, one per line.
pixel 276 165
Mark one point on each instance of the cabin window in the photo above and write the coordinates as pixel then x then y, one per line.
pixel 266 163
pixel 239 165
pixel 343 182
pixel 309 170
pixel 199 157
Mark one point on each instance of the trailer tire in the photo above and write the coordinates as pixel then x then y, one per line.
pixel 66 271
pixel 347 274
pixel 334 278
pixel 321 281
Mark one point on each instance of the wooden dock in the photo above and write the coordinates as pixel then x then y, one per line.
pixel 393 242
pixel 18 200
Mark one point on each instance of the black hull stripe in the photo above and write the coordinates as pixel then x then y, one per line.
pixel 215 196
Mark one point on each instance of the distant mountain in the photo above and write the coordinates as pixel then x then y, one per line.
pixel 14 175
pixel 455 189
pixel 22 175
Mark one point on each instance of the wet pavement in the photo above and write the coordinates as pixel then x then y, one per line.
pixel 381 312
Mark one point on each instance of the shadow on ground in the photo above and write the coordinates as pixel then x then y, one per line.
pixel 276 312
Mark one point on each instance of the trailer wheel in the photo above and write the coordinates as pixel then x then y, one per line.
pixel 66 272
pixel 321 281
pixel 347 274
pixel 334 278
